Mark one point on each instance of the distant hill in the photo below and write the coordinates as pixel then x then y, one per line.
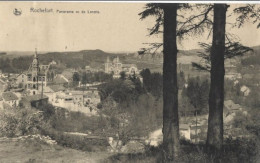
pixel 256 50
pixel 2 53
pixel 96 58
pixel 74 59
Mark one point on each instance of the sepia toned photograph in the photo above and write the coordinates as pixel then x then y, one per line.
pixel 130 82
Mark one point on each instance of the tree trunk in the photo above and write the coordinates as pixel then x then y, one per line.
pixel 216 94
pixel 170 89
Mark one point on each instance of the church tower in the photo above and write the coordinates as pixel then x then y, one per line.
pixel 33 75
pixel 35 71
pixel 35 65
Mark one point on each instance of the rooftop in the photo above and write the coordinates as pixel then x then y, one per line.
pixel 230 105
pixel 60 80
pixel 35 97
pixel 9 96
pixel 57 88
pixel 47 90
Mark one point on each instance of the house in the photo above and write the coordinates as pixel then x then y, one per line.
pixel 21 79
pixel 198 133
pixel 10 99
pixel 77 97
pixel 130 69
pixel 185 131
pixel 90 96
pixel 236 82
pixel 184 67
pixel 245 90
pixel 12 80
pixel 233 76
pixel 3 85
pixel 53 62
pixel 50 94
pixel 230 67
pixel 230 110
pixel 230 107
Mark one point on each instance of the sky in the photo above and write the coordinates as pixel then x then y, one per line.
pixel 116 27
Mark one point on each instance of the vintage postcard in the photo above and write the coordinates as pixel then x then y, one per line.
pixel 129 82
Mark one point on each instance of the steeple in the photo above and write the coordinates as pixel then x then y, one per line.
pixel 35 54
pixel 35 63
pixel 108 60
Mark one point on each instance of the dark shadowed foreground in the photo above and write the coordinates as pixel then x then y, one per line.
pixel 240 150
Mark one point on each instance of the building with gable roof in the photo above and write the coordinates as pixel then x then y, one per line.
pixel 10 99
pixel 21 79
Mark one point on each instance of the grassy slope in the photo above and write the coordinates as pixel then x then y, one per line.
pixel 38 152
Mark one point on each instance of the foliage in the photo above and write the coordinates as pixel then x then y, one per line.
pixel 249 12
pixel 147 109
pixel 232 49
pixel 152 82
pixel 135 119
pixel 78 142
pixel 20 122
pixel 187 25
pixel 122 90
pixel 122 75
pixel 84 78
pixel 76 78
pixel 233 92
pixel 197 92
pixel 58 68
pixel 92 77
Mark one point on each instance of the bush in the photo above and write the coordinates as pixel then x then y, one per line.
pixel 78 142
pixel 14 122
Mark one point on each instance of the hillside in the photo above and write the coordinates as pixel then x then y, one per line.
pixel 93 58
pixel 38 151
